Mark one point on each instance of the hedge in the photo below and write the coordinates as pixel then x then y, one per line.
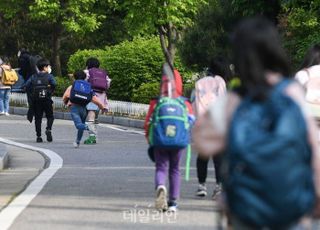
pixel 130 65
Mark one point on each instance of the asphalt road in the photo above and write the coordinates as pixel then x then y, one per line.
pixel 105 186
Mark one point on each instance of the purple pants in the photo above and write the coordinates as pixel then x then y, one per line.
pixel 168 159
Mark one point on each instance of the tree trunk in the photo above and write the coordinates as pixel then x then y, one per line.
pixel 56 50
pixel 168 48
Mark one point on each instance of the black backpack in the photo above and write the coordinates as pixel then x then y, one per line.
pixel 40 87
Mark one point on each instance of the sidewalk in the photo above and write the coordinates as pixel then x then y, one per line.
pixel 23 166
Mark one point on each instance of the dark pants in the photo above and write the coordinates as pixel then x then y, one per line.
pixel 202 169
pixel 41 107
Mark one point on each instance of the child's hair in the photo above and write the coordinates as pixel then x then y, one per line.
pixel 79 75
pixel 5 60
pixel 220 66
pixel 312 57
pixel 42 63
pixel 257 50
pixel 92 63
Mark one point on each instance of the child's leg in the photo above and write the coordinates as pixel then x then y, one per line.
pixel 202 169
pixel 91 117
pixel 48 109
pixel 78 117
pixel 174 174
pixel 92 128
pixel 162 161
pixel 38 113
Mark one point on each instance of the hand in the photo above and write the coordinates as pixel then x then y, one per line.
pixel 104 110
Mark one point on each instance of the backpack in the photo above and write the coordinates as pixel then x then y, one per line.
pixel 98 79
pixel 81 92
pixel 9 77
pixel 207 90
pixel 40 87
pixel 169 127
pixel 269 180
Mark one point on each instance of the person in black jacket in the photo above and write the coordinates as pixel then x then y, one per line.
pixel 40 87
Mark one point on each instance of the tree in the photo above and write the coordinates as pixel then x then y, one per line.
pixel 300 22
pixel 65 17
pixel 209 36
pixel 167 18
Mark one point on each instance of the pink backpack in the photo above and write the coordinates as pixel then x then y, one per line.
pixel 207 90
pixel 98 78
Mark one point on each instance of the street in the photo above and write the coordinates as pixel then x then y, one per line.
pixel 109 185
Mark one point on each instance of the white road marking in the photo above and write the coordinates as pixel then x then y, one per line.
pixel 15 208
pixel 122 130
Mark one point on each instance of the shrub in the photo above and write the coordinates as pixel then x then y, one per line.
pixel 130 64
pixel 145 92
pixel 62 85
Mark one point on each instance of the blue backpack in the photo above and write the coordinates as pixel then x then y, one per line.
pixel 170 127
pixel 269 180
pixel 81 93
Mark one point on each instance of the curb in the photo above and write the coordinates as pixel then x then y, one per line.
pixel 107 119
pixel 4 157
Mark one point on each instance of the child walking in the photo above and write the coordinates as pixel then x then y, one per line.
pixel 78 105
pixel 170 118
pixel 41 87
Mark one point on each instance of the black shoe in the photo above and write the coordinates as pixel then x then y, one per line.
pixel 39 139
pixel 49 135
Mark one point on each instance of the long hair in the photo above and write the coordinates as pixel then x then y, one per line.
pixel 257 49
pixel 312 57
pixel 220 66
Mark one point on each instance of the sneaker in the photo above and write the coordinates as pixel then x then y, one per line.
pixel 172 206
pixel 7 114
pixel 39 140
pixel 202 190
pixel 161 198
pixel 49 135
pixel 76 144
pixel 90 141
pixel 217 191
pixel 2 113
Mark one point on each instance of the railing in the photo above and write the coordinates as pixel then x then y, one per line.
pixel 115 107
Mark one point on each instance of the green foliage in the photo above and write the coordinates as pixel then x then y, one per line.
pixel 75 15
pixel 62 85
pixel 208 37
pixel 129 64
pixel 157 13
pixel 300 21
pixel 145 92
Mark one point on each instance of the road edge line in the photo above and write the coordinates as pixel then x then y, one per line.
pixel 15 208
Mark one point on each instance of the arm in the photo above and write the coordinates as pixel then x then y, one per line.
pixel 152 105
pixel 66 95
pixel 52 82
pixel 96 101
pixel 296 92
